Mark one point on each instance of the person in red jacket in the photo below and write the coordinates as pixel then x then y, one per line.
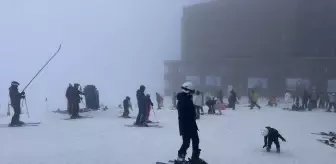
pixel 149 105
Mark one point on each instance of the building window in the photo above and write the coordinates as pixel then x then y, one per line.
pixel 297 84
pixel 213 81
pixel 255 83
pixel 196 80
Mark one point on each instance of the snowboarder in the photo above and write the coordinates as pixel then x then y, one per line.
pixel 15 99
pixel 197 99
pixel 254 99
pixel 127 105
pixel 187 125
pixel 232 99
pixel 68 97
pixel 272 135
pixel 141 98
pixel 75 100
pixel 149 106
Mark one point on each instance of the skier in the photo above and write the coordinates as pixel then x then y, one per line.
pixel 149 106
pixel 220 96
pixel 187 125
pixel 254 99
pixel 197 99
pixel 68 97
pixel 313 100
pixel 141 98
pixel 75 100
pixel 272 135
pixel 288 100
pixel 15 98
pixel 158 100
pixel 305 99
pixel 174 100
pixel 127 105
pixel 332 101
pixel 323 100
pixel 233 99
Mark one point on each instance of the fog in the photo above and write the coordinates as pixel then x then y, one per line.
pixel 116 45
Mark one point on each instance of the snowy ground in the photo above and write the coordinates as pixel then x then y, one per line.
pixel 233 138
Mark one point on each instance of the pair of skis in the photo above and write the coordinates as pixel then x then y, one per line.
pixel 23 125
pixel 329 138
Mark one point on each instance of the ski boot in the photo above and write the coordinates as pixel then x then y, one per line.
pixel 20 123
pixel 268 149
pixel 180 159
pixel 195 159
pixel 278 150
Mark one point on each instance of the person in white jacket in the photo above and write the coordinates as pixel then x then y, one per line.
pixel 197 99
pixel 288 100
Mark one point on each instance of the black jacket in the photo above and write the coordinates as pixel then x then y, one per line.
pixel 233 97
pixel 126 104
pixel 75 95
pixel 141 98
pixel 15 96
pixel 272 135
pixel 68 92
pixel 186 114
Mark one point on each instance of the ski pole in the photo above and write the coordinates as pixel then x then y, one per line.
pixel 155 115
pixel 8 109
pixel 26 107
pixel 59 48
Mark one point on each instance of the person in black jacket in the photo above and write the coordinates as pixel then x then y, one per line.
pixel 15 98
pixel 75 100
pixel 187 124
pixel 68 97
pixel 272 135
pixel 127 106
pixel 233 99
pixel 305 99
pixel 141 98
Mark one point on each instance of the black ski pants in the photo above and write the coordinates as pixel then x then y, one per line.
pixel 253 104
pixel 126 112
pixel 305 104
pixel 17 112
pixel 198 111
pixel 270 142
pixel 74 109
pixel 141 118
pixel 186 143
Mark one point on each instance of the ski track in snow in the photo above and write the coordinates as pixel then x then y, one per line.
pixel 233 138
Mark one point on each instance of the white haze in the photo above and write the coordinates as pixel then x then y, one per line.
pixel 116 45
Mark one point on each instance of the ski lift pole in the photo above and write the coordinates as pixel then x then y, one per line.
pixel 59 48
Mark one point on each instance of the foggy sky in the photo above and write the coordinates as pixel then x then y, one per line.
pixel 116 45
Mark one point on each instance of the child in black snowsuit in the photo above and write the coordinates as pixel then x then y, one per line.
pixel 272 135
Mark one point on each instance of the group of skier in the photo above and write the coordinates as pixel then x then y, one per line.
pixel 310 100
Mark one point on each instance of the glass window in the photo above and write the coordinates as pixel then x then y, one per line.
pixel 213 81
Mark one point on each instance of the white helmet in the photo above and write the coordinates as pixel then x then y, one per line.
pixel 264 132
pixel 187 87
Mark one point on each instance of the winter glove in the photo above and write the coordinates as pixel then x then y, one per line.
pixel 284 140
pixel 264 146
pixel 23 93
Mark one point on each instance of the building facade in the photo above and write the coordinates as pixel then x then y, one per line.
pixel 268 45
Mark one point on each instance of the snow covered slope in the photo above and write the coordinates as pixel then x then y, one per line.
pixel 233 138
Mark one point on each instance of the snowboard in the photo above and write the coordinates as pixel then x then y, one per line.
pixel 78 118
pixel 149 126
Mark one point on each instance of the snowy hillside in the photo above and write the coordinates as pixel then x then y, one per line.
pixel 233 138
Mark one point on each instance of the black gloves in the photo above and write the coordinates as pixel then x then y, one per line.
pixel 284 140
pixel 23 93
